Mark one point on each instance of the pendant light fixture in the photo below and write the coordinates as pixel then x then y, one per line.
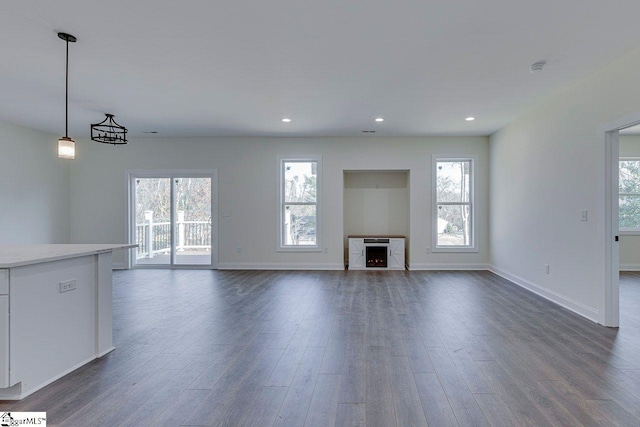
pixel 109 131
pixel 66 145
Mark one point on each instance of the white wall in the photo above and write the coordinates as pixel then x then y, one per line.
pixel 629 243
pixel 247 171
pixel 376 203
pixel 34 188
pixel 546 168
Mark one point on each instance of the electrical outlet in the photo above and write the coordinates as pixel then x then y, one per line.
pixel 428 250
pixel 67 286
pixel 239 250
pixel 326 250
pixel 546 269
pixel 584 215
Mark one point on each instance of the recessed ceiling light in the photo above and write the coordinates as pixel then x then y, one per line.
pixel 149 131
pixel 286 120
pixel 470 119
pixel 379 119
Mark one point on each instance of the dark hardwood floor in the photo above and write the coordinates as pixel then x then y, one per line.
pixel 349 348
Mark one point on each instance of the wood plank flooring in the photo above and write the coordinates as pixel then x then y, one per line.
pixel 357 348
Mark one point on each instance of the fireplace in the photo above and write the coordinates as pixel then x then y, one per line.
pixel 376 256
pixel 376 252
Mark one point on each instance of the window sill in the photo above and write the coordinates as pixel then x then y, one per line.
pixel 629 232
pixel 455 249
pixel 299 249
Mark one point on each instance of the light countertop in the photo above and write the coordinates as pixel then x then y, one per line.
pixel 20 255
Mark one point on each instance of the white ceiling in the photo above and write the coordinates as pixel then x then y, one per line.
pixel 236 67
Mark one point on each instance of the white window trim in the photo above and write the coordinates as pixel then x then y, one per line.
pixel 627 231
pixel 434 204
pixel 280 203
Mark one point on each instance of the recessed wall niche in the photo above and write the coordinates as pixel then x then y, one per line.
pixel 376 202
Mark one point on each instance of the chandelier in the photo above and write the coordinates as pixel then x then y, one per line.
pixel 109 132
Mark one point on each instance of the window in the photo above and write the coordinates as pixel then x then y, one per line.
pixel 453 200
pixel 299 224
pixel 629 189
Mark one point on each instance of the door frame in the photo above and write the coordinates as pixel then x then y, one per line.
pixel 172 174
pixel 608 230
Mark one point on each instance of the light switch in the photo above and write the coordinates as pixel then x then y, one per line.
pixel 225 213
pixel 584 215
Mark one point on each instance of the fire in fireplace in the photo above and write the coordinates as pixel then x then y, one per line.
pixel 377 256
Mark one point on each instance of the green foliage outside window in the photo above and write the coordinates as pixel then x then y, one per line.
pixel 629 188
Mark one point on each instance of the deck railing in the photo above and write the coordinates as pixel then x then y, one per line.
pixel 155 237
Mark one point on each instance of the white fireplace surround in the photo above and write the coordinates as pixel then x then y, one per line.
pixel 393 246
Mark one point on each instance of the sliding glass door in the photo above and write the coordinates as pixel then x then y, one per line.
pixel 192 221
pixel 153 221
pixel 172 221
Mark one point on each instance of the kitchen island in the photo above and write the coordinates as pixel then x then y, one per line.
pixel 55 312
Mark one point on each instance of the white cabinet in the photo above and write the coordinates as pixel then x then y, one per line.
pixel 46 329
pixel 356 254
pixel 52 332
pixel 376 252
pixel 4 281
pixel 396 254
pixel 4 328
pixel 4 341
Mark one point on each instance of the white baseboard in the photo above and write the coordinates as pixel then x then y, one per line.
pixel 575 306
pixel 629 267
pixel 418 267
pixel 16 392
pixel 277 266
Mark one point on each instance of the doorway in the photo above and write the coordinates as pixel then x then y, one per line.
pixel 171 219
pixel 609 308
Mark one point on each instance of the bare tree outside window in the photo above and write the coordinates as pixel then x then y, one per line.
pixel 299 215
pixel 454 203
pixel 299 203
pixel 629 194
pixel 191 231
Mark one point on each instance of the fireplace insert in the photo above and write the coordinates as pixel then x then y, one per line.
pixel 376 256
